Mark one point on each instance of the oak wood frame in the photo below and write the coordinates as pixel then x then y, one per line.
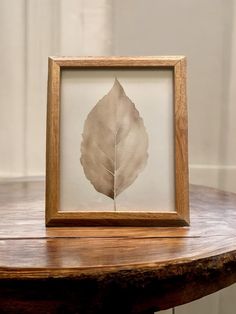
pixel 54 217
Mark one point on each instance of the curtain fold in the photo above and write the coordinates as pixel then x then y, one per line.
pixel 30 31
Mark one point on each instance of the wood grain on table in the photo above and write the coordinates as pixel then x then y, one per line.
pixel 112 269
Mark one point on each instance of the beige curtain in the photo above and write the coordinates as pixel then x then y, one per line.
pixel 30 31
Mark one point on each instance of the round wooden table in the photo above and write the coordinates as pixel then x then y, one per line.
pixel 112 270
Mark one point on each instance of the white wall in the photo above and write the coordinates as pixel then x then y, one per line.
pixel 32 30
pixel 203 30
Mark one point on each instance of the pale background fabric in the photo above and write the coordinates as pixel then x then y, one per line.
pixel 203 30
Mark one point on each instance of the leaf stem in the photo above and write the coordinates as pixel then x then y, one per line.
pixel 114 203
pixel 115 175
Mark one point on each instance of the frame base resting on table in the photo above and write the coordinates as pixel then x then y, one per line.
pixel 112 269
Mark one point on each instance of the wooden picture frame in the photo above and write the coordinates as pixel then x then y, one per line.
pixel 57 217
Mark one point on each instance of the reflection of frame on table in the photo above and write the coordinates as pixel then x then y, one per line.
pixel 56 217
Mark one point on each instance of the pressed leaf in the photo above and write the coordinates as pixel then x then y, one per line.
pixel 115 143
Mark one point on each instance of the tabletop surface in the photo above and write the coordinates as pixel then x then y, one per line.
pixel 157 268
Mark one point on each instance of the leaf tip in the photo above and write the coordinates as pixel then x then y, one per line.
pixel 116 82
